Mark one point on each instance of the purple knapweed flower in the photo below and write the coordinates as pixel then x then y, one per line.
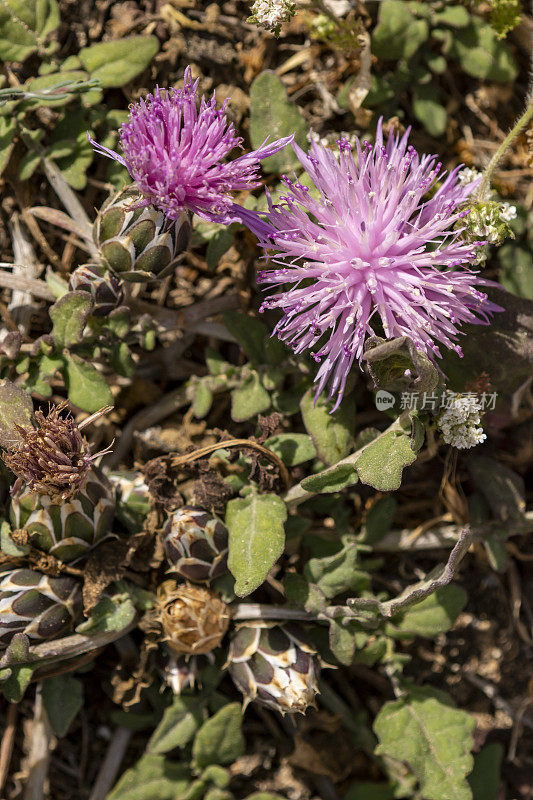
pixel 175 153
pixel 370 253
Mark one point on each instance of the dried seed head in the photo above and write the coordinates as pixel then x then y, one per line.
pixel 275 665
pixel 53 458
pixel 196 544
pixel 194 620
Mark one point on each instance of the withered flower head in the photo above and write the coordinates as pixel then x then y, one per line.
pixel 194 620
pixel 52 457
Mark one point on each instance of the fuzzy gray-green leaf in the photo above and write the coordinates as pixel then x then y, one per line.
pixel 62 698
pixel 180 722
pixel 424 730
pixel 16 408
pixel 273 115
pixel 87 388
pixel 256 538
pixel 220 739
pixel 69 317
pixel 117 62
pixel 332 433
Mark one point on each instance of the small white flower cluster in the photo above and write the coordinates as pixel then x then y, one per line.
pixel 271 13
pixel 459 422
pixel 468 175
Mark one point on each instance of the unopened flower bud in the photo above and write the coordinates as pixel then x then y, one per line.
pixel 196 544
pixel 104 287
pixel 37 605
pixel 139 242
pixel 275 665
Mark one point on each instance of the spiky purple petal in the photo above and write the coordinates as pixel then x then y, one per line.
pixel 374 246
pixel 175 153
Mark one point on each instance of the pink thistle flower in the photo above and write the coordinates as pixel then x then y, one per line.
pixel 375 254
pixel 174 152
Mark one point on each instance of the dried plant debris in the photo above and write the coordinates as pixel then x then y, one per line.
pixel 266 292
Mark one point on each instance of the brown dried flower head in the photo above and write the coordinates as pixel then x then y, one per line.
pixel 194 620
pixel 52 458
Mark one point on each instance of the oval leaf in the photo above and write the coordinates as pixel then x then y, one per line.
pixel 118 62
pixel 256 538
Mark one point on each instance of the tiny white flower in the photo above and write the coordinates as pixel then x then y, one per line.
pixel 468 174
pixel 271 13
pixel 507 212
pixel 459 423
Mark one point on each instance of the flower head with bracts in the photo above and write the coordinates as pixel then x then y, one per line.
pixel 374 249
pixel 175 152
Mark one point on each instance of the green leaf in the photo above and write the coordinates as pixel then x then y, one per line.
pixel 481 55
pixel 219 244
pixel 398 33
pixel 220 739
pixel 380 464
pixel 87 388
pixel 485 778
pixel 28 164
pixel 217 775
pixel 251 334
pixel 331 480
pixel 256 538
pixel 62 698
pixel 435 614
pixel 434 738
pixel 502 488
pixel 428 110
pixel 117 62
pixel 180 722
pixel 342 639
pixel 332 434
pixel 203 400
pixel 307 595
pixel 249 399
pixel 24 24
pixel 122 361
pixel 366 790
pixel 338 573
pixel 16 408
pixel 274 115
pixel 69 317
pixel 7 545
pixel 455 16
pixel 110 614
pixel 292 448
pixel 8 127
pixel 152 778
pixel 516 269
pixel 379 520
pixel 14 682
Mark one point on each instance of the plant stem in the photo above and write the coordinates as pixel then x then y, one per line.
pixel 484 186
